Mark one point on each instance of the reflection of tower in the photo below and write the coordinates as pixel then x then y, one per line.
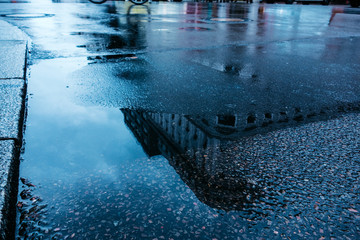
pixel 196 155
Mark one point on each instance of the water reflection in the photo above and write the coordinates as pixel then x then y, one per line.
pixel 128 30
pixel 97 182
pixel 206 151
pixel 203 161
pixel 249 175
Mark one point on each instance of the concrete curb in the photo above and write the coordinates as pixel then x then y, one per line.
pixel 13 56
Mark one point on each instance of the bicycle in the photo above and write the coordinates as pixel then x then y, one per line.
pixel 136 2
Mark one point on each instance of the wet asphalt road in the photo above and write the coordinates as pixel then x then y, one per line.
pixel 190 121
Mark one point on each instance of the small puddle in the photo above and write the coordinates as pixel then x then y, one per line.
pixel 195 29
pixel 228 20
pixel 27 15
pixel 110 58
pixel 93 171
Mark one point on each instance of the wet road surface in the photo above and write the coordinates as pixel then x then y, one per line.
pixel 190 121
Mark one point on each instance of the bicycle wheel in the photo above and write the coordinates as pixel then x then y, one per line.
pixel 138 2
pixel 97 1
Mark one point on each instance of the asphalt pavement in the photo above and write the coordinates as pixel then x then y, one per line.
pixel 13 52
pixel 261 100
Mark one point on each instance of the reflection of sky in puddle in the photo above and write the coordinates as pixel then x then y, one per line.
pixel 98 181
pixel 93 175
pixel 95 180
pixel 71 133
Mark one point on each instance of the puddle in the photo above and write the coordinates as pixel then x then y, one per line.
pixel 28 15
pixel 195 29
pixel 106 173
pixel 101 164
pixel 110 58
pixel 228 20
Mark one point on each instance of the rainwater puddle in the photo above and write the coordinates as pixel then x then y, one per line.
pixel 229 20
pixel 25 15
pixel 95 172
pixel 118 147
pixel 86 175
pixel 195 29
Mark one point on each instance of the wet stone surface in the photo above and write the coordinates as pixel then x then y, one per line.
pixel 7 170
pixel 15 34
pixel 6 158
pixel 11 92
pixel 274 185
pixel 12 64
pixel 148 130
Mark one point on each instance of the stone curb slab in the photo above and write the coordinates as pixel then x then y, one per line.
pixel 9 168
pixel 11 98
pixel 12 32
pixel 13 53
pixel 12 64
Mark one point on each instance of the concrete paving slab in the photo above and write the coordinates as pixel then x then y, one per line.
pixel 12 32
pixel 11 97
pixel 13 50
pixel 12 55
pixel 8 173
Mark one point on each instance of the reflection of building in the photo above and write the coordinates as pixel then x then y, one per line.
pixel 205 153
pixel 196 155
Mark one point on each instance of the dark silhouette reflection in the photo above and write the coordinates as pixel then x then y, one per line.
pixel 125 32
pixel 201 159
pixel 207 151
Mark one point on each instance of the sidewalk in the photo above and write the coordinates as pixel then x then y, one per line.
pixel 13 52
